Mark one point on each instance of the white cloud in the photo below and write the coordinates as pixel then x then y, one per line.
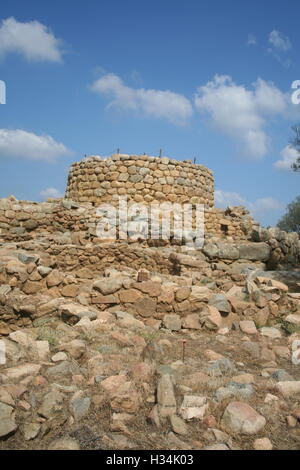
pixel 279 41
pixel 289 156
pixel 240 112
pixel 268 99
pixel 252 40
pixel 226 198
pixel 33 40
pixel 22 144
pixel 264 205
pixel 280 46
pixel 259 209
pixel 285 62
pixel 51 192
pixel 168 105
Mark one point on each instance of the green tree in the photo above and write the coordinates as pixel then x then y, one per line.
pixel 290 222
pixel 295 143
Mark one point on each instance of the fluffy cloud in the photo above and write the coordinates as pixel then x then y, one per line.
pixel 280 46
pixel 289 156
pixel 264 205
pixel 259 208
pixel 282 60
pixel 22 144
pixel 279 41
pixel 33 40
pixel 226 198
pixel 252 41
pixel 168 105
pixel 51 192
pixel 240 112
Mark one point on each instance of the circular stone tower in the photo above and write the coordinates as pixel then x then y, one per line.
pixel 141 178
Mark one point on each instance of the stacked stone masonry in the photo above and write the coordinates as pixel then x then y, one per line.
pixel 142 179
pixel 18 218
pixel 145 180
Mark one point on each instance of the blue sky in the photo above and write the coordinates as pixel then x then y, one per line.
pixel 201 79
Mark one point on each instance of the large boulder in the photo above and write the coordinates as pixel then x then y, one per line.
pixel 228 251
pixel 254 251
pixel 200 294
pixel 191 261
pixel 172 322
pixel 260 234
pixel 64 443
pixel 220 302
pixel 74 312
pixel 79 405
pixel 126 398
pixel 289 388
pixel 241 418
pixel 108 285
pixel 7 420
pixel 211 250
pixel 211 318
pixel 51 404
pixel 233 251
pixel 145 307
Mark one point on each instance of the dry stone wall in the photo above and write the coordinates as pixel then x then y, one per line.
pixel 235 222
pixel 21 218
pixel 143 179
pixel 34 285
pixel 71 224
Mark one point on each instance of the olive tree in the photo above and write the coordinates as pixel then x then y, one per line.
pixel 290 222
pixel 295 143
